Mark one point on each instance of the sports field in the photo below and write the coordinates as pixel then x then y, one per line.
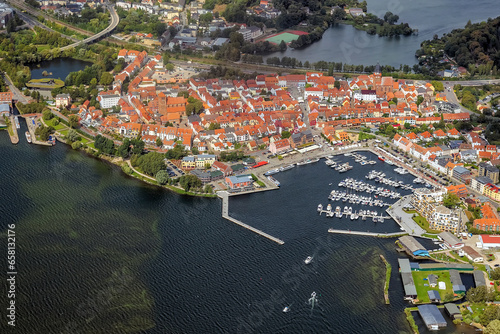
pixel 285 36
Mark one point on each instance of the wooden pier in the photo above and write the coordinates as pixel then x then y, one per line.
pixel 225 214
pixel 371 234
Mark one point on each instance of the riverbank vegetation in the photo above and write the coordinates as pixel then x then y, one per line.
pixel 475 47
pixel 388 270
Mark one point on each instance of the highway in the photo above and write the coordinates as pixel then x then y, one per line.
pixel 31 22
pixel 35 13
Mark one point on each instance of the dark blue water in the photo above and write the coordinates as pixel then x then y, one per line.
pixel 60 68
pixel 99 252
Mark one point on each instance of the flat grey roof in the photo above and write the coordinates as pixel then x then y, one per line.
pixel 479 278
pixel 452 308
pixel 404 264
pixel 449 238
pixel 431 315
pixel 455 277
pixel 411 243
pixel 433 294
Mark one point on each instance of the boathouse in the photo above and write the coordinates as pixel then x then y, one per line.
pixel 407 278
pixel 479 278
pixel 453 311
pixel 432 317
pixel 450 240
pixel 456 281
pixel 411 245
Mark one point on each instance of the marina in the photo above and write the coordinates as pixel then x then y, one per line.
pixel 348 212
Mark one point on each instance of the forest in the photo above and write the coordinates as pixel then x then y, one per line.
pixel 475 47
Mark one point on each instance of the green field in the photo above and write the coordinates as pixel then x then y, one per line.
pixel 286 36
pixel 48 83
pixel 418 278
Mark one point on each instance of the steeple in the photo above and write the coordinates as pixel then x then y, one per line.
pixel 377 69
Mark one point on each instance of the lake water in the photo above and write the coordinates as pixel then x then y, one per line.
pixel 91 240
pixel 343 43
pixel 60 68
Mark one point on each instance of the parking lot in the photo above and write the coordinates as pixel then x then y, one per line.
pixel 173 170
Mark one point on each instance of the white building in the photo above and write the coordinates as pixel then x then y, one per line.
pixel 108 101
pixel 489 241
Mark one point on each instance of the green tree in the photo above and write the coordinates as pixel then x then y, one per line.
pixel 73 121
pixel 151 163
pixel 208 189
pixel 285 134
pixel 158 142
pixel 420 99
pixel 47 115
pixel 162 177
pixel 493 327
pixel 476 295
pixel 438 86
pixel 451 200
pixel 137 145
pixel 195 151
pixel 106 78
pixel 73 136
pixel 123 149
pixel 189 182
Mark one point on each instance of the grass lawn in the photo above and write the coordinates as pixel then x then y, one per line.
pixel 432 236
pixel 418 278
pixel 422 222
pixel 57 127
pixel 84 140
pixel 42 47
pixel 64 132
pixel 91 145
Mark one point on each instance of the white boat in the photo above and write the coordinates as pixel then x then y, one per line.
pixel 389 162
pixel 320 207
pixel 329 207
pixel 273 180
pixel 282 169
pixel 308 260
pixel 286 309
pixel 310 161
pixel 272 171
pixel 28 137
pixel 16 121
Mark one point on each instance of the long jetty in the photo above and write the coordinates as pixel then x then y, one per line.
pixel 372 234
pixel 225 214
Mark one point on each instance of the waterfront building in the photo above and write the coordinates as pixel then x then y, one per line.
pixel 428 203
pixel 450 240
pixel 479 278
pixel 279 146
pixel 453 311
pixel 432 317
pixel 408 284
pixel 456 282
pixel 239 181
pixel 413 246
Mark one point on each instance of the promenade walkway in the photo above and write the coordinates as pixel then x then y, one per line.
pixel 405 220
pixel 225 214
pixel 371 234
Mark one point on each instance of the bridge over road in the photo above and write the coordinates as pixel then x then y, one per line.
pixel 115 19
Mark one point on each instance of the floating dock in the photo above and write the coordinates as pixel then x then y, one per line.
pixel 348 215
pixel 225 214
pixel 372 234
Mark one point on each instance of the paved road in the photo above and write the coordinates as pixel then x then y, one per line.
pixel 16 93
pixel 115 19
pixel 31 22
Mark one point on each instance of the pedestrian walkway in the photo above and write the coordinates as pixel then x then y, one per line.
pixel 405 220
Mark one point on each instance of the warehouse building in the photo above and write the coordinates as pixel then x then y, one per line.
pixel 407 278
